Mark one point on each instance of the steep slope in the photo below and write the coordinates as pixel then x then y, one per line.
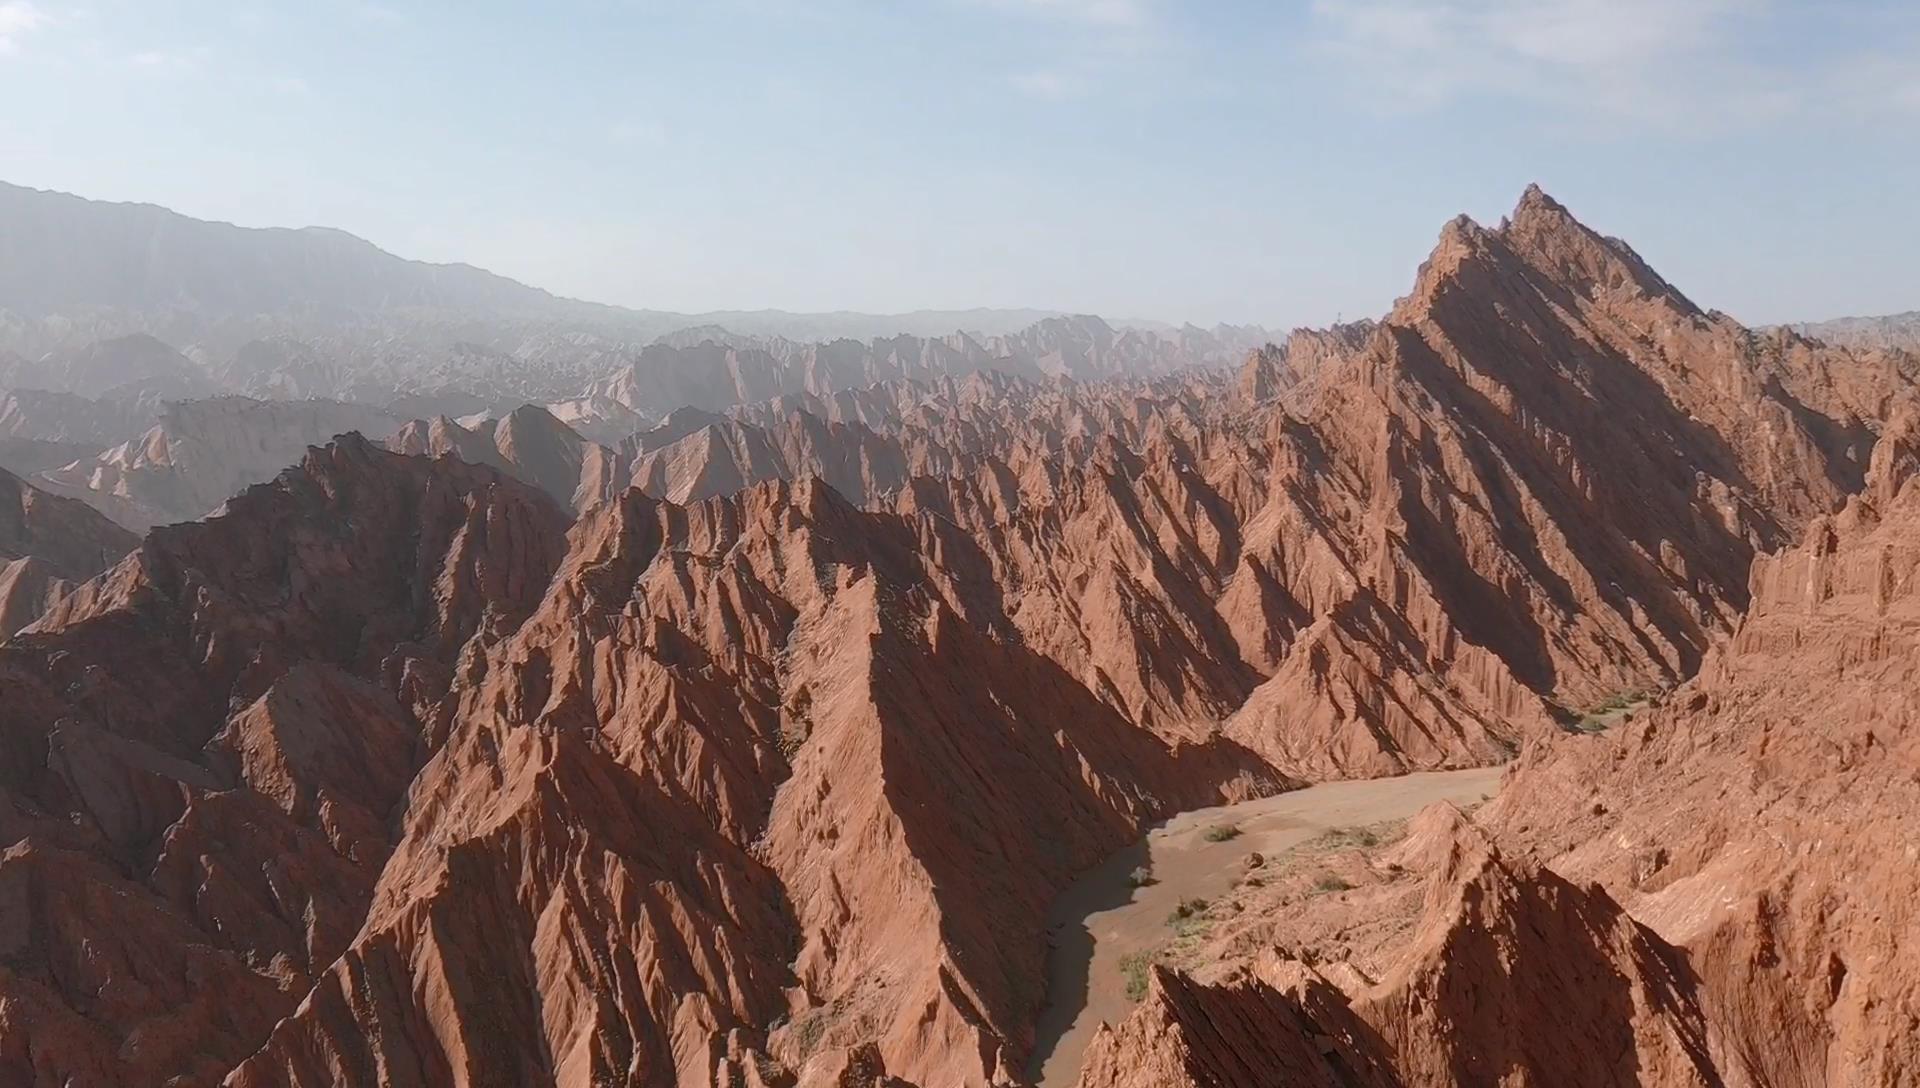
pixel 203 749
pixel 726 455
pixel 769 776
pixel 1752 820
pixel 201 452
pixel 47 544
pixel 1386 552
pixel 1510 975
pixel 1711 893
pixel 527 443
pixel 776 679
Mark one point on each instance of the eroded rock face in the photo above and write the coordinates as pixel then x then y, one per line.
pixel 201 452
pixel 204 747
pixel 529 444
pixel 1749 820
pixel 767 770
pixel 1711 893
pixel 745 728
pixel 1508 975
pixel 47 544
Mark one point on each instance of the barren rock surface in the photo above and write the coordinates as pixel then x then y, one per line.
pixel 757 749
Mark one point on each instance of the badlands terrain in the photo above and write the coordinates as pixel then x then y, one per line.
pixel 507 691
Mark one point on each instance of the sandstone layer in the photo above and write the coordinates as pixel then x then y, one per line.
pixel 766 770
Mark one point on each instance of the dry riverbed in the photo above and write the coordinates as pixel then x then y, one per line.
pixel 1104 918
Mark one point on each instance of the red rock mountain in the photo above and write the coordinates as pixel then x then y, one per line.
pixel 47 545
pixel 1709 894
pixel 767 770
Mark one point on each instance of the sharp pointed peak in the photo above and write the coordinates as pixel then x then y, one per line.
pixel 1535 198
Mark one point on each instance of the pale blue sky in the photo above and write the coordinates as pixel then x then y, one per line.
pixel 1271 162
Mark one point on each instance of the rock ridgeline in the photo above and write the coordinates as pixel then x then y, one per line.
pixel 766 769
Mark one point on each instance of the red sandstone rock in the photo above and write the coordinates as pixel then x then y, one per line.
pixel 755 779
pixel 48 543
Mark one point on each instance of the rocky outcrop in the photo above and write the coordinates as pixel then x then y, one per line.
pixel 767 771
pixel 47 544
pixel 1707 894
pixel 773 678
pixel 527 443
pixel 203 451
pixel 204 747
pixel 1509 975
pixel 1746 820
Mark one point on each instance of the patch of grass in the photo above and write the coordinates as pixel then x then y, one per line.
pixel 1134 969
pixel 1187 909
pixel 809 1030
pixel 1331 882
pixel 1222 833
pixel 1599 716
pixel 1356 838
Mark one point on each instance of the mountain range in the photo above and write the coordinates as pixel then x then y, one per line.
pixel 738 712
pixel 71 264
pixel 753 746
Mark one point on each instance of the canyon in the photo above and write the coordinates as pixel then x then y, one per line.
pixel 732 710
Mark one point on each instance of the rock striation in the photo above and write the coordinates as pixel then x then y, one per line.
pixel 752 749
pixel 47 545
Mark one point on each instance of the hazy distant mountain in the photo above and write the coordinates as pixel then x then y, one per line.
pixel 1888 331
pixel 60 252
pixel 122 368
pixel 852 325
pixel 110 312
pixel 202 452
pixel 96 264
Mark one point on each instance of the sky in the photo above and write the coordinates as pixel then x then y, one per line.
pixel 1274 162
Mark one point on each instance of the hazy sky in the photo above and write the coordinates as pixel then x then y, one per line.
pixel 1261 161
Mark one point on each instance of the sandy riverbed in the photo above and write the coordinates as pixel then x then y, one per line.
pixel 1102 917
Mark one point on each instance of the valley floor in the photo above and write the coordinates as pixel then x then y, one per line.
pixel 1104 919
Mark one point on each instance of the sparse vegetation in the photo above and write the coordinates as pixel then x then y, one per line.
pixel 1331 882
pixel 808 1030
pixel 1222 833
pixel 1140 877
pixel 1187 909
pixel 1356 838
pixel 1599 716
pixel 1133 968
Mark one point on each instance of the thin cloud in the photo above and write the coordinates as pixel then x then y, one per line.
pixel 370 12
pixel 169 62
pixel 1081 48
pixel 1623 56
pixel 1108 13
pixel 18 18
pixel 1051 86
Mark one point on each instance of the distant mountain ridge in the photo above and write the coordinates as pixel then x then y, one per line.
pixel 1900 330
pixel 61 252
pixel 62 255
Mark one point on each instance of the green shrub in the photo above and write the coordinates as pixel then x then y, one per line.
pixel 1187 909
pixel 1133 968
pixel 1221 833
